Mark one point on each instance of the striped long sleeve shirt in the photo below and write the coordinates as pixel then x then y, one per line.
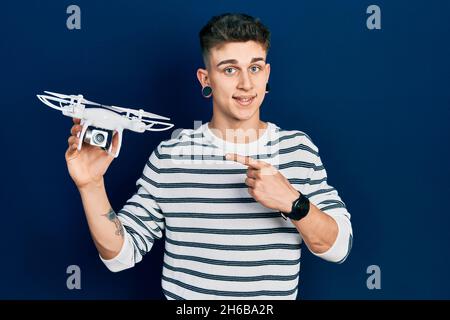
pixel 219 242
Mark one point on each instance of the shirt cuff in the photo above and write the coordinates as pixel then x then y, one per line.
pixel 341 247
pixel 125 258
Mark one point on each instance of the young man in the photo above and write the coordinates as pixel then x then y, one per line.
pixel 222 192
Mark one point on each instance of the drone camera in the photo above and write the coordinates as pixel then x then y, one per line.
pixel 98 137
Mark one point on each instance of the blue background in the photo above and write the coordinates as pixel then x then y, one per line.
pixel 376 103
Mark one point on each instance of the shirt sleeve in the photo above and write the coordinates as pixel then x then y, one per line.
pixel 142 219
pixel 327 199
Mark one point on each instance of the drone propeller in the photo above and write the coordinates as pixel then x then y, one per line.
pixel 59 95
pixel 140 113
pixel 74 97
pixel 151 123
pixel 45 99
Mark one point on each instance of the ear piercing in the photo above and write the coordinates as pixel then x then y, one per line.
pixel 207 91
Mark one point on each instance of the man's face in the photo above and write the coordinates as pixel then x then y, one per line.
pixel 238 73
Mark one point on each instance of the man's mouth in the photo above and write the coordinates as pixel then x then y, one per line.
pixel 244 100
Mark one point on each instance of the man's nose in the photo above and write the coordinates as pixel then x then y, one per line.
pixel 245 83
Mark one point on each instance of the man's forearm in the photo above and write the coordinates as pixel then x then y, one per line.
pixel 106 229
pixel 318 230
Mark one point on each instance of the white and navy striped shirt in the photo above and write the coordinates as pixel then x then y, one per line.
pixel 220 242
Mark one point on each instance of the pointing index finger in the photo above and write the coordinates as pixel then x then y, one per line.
pixel 245 160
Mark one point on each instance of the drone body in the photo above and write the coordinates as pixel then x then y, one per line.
pixel 100 123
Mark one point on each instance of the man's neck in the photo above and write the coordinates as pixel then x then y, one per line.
pixel 237 131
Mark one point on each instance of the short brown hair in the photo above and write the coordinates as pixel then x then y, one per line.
pixel 232 27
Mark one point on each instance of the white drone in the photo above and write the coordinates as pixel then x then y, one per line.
pixel 100 122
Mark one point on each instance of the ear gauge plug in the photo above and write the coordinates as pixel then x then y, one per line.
pixel 207 91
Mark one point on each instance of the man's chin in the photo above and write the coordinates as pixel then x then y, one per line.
pixel 244 115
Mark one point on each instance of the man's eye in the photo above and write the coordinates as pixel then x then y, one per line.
pixel 255 69
pixel 229 71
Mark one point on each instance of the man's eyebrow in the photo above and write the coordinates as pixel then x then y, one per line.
pixel 258 59
pixel 234 61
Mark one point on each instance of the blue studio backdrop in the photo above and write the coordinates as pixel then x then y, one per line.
pixel 375 101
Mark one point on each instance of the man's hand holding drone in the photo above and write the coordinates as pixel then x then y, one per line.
pixel 89 164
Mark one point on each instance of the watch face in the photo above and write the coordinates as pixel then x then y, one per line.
pixel 303 205
pixel 301 208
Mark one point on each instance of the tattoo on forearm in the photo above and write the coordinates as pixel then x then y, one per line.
pixel 112 216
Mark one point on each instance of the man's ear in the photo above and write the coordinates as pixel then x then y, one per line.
pixel 268 71
pixel 202 76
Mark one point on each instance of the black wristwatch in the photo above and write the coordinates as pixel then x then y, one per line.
pixel 300 208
